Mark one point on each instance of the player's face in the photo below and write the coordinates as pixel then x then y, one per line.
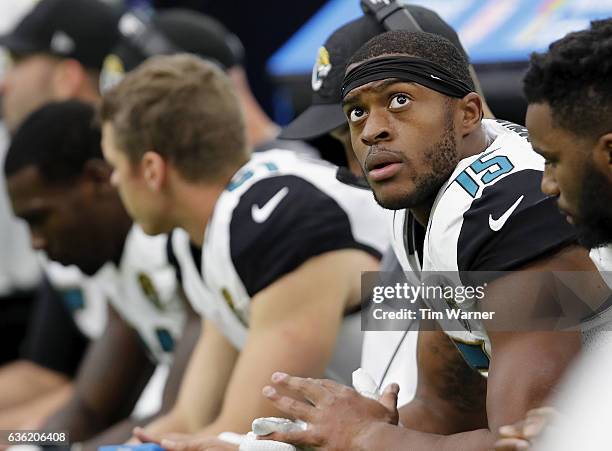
pixel 583 190
pixel 26 86
pixel 143 204
pixel 60 219
pixel 403 136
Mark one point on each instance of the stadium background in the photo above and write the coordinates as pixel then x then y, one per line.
pixel 282 39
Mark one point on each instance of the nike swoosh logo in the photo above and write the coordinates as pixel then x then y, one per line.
pixel 497 224
pixel 261 214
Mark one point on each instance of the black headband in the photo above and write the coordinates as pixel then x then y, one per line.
pixel 406 68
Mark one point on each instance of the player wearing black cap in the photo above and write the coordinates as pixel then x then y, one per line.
pixel 178 31
pixel 57 51
pixel 324 115
pixel 54 56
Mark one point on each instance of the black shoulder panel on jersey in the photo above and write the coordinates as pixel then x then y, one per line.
pixel 535 228
pixel 281 222
pixel 172 257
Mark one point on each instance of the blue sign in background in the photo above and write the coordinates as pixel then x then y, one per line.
pixel 490 30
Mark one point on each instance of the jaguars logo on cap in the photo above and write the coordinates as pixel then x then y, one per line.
pixel 112 72
pixel 321 69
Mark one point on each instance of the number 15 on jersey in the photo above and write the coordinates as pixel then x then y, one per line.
pixel 482 172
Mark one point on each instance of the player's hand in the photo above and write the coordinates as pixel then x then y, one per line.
pixel 518 436
pixel 133 441
pixel 148 437
pixel 336 415
pixel 184 442
pixel 196 443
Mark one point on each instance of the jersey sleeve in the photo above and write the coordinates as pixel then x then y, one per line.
pixel 280 223
pixel 511 224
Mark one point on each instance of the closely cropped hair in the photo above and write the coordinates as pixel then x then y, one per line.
pixel 575 78
pixel 58 139
pixel 428 46
pixel 183 108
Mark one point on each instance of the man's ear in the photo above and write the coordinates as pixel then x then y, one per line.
pixel 154 170
pixel 98 173
pixel 602 154
pixel 471 112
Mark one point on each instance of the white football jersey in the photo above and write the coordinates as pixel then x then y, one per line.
pixel 83 296
pixel 279 210
pixel 143 289
pixel 490 215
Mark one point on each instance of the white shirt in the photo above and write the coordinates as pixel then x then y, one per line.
pixel 143 289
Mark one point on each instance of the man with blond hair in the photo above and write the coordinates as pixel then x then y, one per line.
pixel 282 241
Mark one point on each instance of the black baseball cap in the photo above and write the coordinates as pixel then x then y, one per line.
pixel 325 112
pixel 85 30
pixel 178 30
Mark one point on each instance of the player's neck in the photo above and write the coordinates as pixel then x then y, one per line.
pixel 421 213
pixel 117 229
pixel 194 208
pixel 473 143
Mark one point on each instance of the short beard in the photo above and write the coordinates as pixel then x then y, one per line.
pixel 442 159
pixel 594 209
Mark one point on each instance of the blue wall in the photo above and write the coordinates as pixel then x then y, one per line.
pixel 490 30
